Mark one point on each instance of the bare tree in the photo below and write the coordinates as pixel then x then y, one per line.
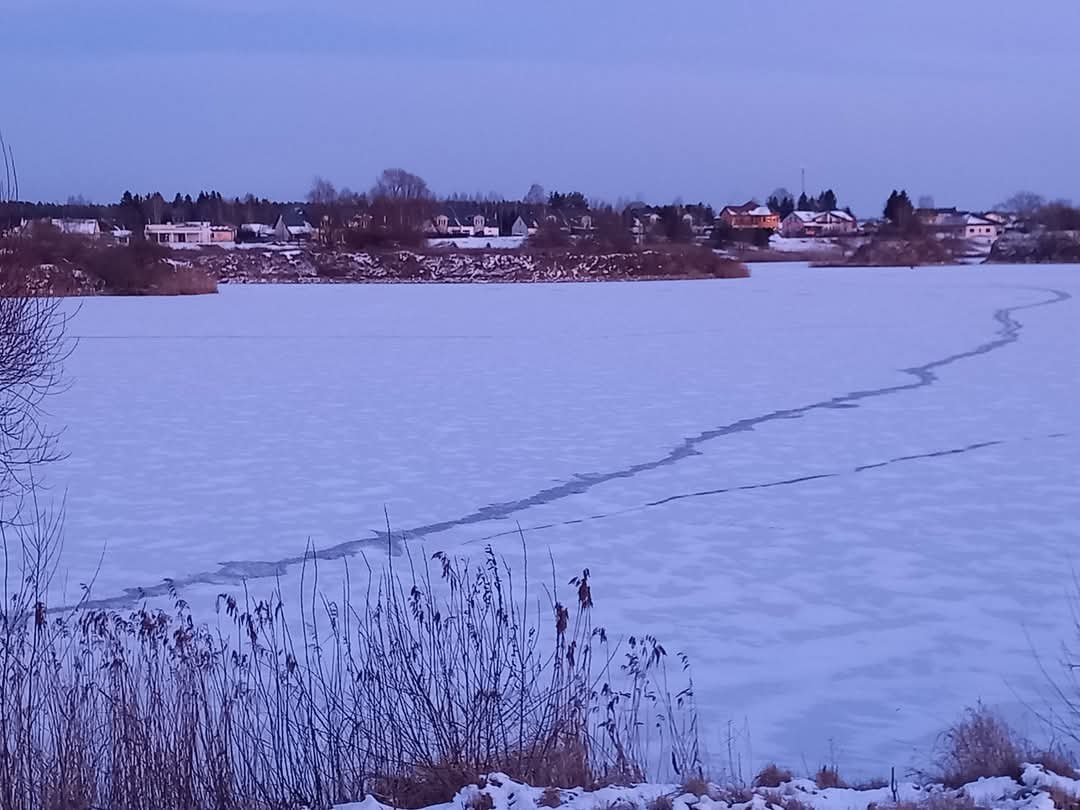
pixel 1023 203
pixel 536 195
pixel 9 179
pixel 33 348
pixel 322 192
pixel 401 201
pixel 398 184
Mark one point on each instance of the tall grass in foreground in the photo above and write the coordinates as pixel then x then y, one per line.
pixel 444 672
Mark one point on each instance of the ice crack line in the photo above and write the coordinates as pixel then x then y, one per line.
pixel 784 482
pixel 925 375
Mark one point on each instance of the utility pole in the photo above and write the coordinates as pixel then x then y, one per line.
pixel 803 181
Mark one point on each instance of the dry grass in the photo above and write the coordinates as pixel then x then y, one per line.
pixel 829 777
pixel 552 797
pixel 938 800
pixel 1063 800
pixel 661 802
pixel 79 266
pixel 786 801
pixel 442 674
pixel 772 776
pixel 696 786
pixel 1057 762
pixel 980 745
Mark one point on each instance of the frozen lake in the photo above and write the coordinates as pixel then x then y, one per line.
pixel 851 496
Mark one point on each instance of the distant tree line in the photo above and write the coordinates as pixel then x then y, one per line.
pixel 782 202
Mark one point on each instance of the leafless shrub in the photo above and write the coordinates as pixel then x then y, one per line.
pixel 772 776
pixel 552 797
pixel 829 777
pixel 1056 761
pixel 1062 799
pixel 141 268
pixel 936 800
pixel 980 745
pixel 33 348
pixel 696 786
pixel 661 802
pixel 438 677
pixel 786 801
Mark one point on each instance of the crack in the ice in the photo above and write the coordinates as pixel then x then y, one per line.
pixel 925 375
pixel 704 493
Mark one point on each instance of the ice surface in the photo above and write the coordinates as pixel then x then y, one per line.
pixel 850 495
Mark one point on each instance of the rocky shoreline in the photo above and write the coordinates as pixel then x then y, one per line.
pixel 312 265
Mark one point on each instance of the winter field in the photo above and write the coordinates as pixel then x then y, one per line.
pixel 851 496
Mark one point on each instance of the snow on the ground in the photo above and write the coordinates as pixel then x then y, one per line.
pixel 810 244
pixel 478 242
pixel 499 792
pixel 850 553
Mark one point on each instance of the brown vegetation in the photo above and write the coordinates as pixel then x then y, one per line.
pixel 829 777
pixel 44 260
pixel 551 797
pixel 439 677
pixel 786 801
pixel 898 251
pixel 935 800
pixel 980 745
pixel 772 776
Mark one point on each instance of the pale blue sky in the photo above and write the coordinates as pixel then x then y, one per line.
pixel 717 100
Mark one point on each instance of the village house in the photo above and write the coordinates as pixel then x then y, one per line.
pixel 181 233
pixel 581 225
pixel 292 226
pixel 523 228
pixel 748 216
pixel 818 223
pixel 981 228
pixel 89 228
pixel 467 222
pixel 255 232
pixel 949 223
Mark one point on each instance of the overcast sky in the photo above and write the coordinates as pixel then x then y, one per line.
pixel 717 100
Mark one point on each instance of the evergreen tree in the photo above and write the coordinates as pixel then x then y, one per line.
pixel 827 201
pixel 804 203
pixel 899 210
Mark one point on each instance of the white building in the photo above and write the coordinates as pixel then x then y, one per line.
pixel 78 227
pixel 981 228
pixel 181 233
pixel 818 223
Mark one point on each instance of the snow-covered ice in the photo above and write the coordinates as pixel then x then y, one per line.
pixel 851 496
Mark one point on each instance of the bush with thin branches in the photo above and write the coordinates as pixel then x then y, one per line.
pixel 436 677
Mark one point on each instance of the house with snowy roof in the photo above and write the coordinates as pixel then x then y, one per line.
pixel 818 223
pixel 89 228
pixel 292 226
pixel 749 215
pixel 180 233
pixel 523 228
pixel 950 223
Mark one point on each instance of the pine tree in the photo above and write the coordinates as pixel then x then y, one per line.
pixel 804 203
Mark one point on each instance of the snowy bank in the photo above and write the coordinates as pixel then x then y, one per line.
pixel 1037 789
pixel 312 265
